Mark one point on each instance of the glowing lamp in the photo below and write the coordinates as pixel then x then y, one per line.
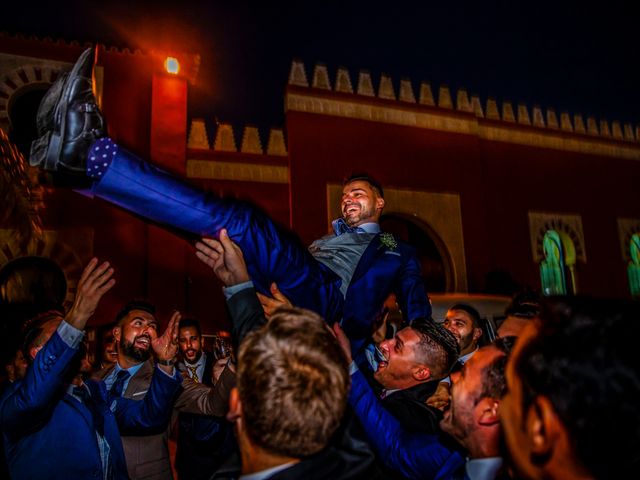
pixel 172 65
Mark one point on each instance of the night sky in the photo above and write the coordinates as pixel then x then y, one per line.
pixel 572 56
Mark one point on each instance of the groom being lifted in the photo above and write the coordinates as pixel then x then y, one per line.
pixel 345 276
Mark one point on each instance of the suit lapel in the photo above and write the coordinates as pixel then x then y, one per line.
pixel 372 251
pixel 83 410
pixel 140 381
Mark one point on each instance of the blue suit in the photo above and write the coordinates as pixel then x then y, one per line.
pixel 271 254
pixel 48 434
pixel 415 455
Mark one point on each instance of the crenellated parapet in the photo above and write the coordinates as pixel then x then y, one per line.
pixel 493 119
pixel 223 160
pixel 225 139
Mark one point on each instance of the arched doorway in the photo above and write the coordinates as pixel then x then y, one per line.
pixel 23 110
pixel 432 253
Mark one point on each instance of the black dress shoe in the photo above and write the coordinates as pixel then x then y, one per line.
pixel 68 122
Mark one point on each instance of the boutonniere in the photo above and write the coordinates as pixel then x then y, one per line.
pixel 388 240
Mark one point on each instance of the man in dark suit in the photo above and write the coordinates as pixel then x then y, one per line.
pixel 473 420
pixel 56 425
pixel 204 442
pixel 292 409
pixel 345 276
pixel 572 407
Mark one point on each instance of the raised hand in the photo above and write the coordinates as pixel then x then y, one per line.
pixel 273 303
pixel 441 398
pixel 94 282
pixel 165 346
pixel 224 257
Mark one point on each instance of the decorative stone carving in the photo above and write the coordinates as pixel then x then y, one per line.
pixel 343 81
pixel 297 75
pixel 406 91
pixel 626 228
pixel 365 85
pixel 251 141
pixel 426 95
pixel 198 135
pixel 276 145
pixel 225 140
pixel 444 97
pixel 523 115
pixel 321 77
pixel 385 89
pixel 541 222
pixel 462 101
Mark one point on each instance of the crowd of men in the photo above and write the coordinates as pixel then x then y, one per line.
pixel 309 393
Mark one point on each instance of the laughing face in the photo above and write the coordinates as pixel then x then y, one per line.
pixel 400 369
pixel 461 418
pixel 109 350
pixel 360 203
pixel 134 335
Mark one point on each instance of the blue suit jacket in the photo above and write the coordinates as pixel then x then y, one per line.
pixel 415 455
pixel 272 255
pixel 50 435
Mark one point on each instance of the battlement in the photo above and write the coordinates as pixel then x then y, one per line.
pixel 225 139
pixel 505 112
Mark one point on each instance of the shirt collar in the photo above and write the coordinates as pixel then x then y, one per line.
pixel 132 370
pixel 370 227
pixel 263 474
pixel 483 468
pixel 466 357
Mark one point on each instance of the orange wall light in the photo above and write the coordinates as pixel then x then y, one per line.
pixel 172 65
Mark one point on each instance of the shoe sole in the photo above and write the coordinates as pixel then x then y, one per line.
pixel 54 149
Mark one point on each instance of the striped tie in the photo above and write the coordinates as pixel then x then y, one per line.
pixel 194 373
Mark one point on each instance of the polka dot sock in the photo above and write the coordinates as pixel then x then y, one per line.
pixel 100 157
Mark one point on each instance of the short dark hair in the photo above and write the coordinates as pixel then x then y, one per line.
pixel 293 382
pixel 524 304
pixel 33 329
pixel 137 304
pixel 469 310
pixel 190 322
pixel 494 384
pixel 584 360
pixel 438 347
pixel 364 177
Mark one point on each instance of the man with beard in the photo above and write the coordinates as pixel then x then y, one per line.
pixel 136 328
pixel 345 276
pixel 57 425
pixel 463 321
pixel 204 442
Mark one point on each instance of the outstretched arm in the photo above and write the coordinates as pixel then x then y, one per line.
pixel 415 455
pixel 225 258
pixel 31 404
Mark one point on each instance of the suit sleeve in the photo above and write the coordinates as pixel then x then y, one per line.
pixel 153 413
pixel 410 291
pixel 246 314
pixel 415 455
pixel 205 400
pixel 31 403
